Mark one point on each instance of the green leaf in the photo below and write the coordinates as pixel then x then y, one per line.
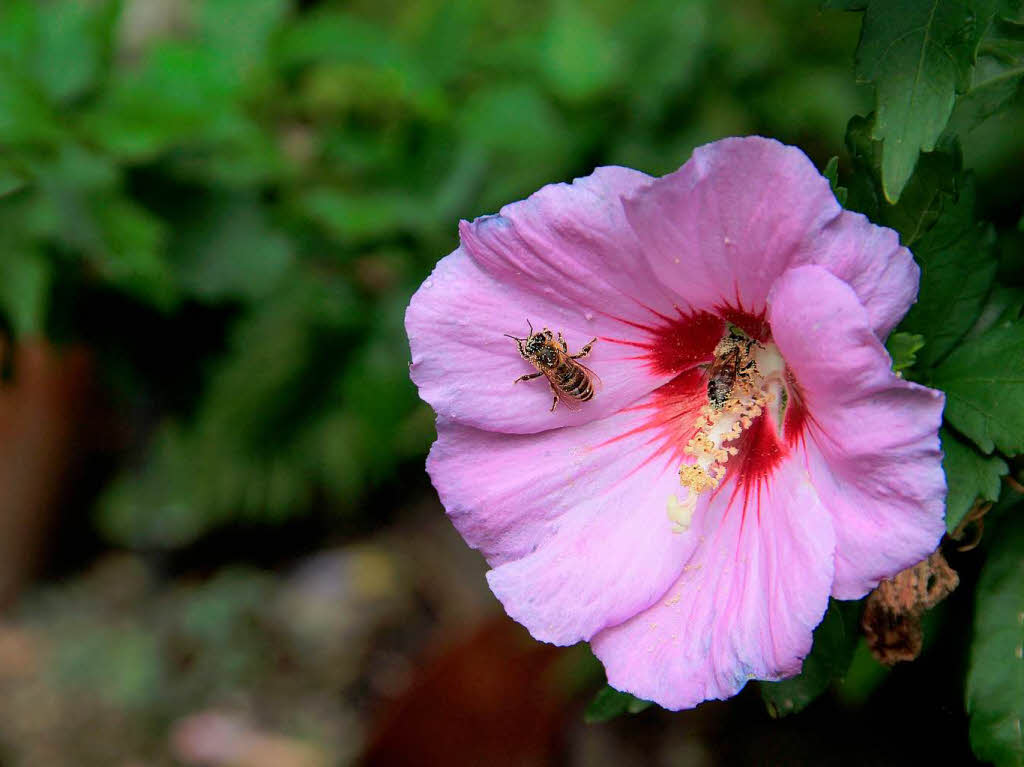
pixel 197 102
pixel 918 53
pixel 864 676
pixel 354 218
pixel 984 385
pixel 73 47
pixel 610 703
pixel 25 117
pixel 844 5
pixel 131 251
pixel 10 180
pixel 89 217
pixel 957 269
pixel 992 93
pixel 934 183
pixel 995 679
pixel 19 21
pixel 228 248
pixel 865 195
pixel 835 639
pixel 331 35
pixel 933 187
pixel 243 45
pixel 25 279
pixel 578 58
pixel 1004 304
pixel 831 172
pixel 969 475
pixel 998 78
pixel 903 348
pixel 1011 9
pixel 513 119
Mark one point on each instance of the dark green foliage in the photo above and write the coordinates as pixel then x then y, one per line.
pixel 995 680
pixel 936 218
pixel 957 269
pixel 835 639
pixel 998 77
pixel 919 54
pixel 934 181
pixel 227 247
pixel 984 385
pixel 970 475
pixel 25 278
pixel 1005 304
pixel 962 335
pixel 610 703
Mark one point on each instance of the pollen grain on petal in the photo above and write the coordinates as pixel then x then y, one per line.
pixel 680 513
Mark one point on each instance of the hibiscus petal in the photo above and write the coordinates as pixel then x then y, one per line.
pixel 746 604
pixel 872 438
pixel 572 245
pixel 565 258
pixel 870 258
pixel 574 520
pixel 722 228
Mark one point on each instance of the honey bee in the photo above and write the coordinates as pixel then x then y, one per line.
pixel 571 381
pixel 732 361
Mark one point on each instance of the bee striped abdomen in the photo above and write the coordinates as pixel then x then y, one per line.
pixel 574 381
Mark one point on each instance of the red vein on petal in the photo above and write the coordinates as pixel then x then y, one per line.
pixel 760 452
pixel 672 408
pixel 676 344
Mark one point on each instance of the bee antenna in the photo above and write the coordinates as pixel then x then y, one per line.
pixel 530 324
pixel 513 337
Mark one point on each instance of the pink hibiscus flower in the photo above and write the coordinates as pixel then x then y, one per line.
pixel 749 452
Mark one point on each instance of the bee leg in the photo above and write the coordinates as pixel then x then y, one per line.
pixel 554 397
pixel 585 350
pixel 565 346
pixel 527 377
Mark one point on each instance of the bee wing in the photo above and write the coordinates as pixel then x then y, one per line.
pixel 571 403
pixel 595 379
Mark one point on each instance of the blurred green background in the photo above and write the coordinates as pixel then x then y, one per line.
pixel 219 534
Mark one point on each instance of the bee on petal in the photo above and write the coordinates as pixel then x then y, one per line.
pixel 571 381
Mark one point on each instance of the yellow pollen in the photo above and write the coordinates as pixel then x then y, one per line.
pixel 715 429
pixel 748 378
pixel 710 448
pixel 679 513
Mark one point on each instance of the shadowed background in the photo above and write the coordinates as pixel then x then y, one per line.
pixel 217 542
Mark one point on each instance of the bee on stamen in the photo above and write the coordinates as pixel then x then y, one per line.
pixel 732 361
pixel 571 381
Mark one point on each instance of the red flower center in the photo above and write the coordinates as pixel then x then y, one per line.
pixel 732 411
